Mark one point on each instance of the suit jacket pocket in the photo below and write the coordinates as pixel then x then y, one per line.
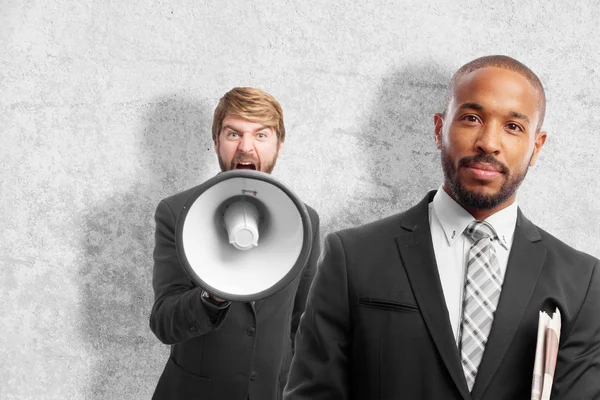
pixel 388 305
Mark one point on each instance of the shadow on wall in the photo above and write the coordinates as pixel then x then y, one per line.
pixel 116 276
pixel 401 161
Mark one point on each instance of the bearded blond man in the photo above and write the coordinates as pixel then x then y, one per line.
pixel 221 349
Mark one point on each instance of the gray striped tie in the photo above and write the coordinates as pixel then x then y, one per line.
pixel 482 290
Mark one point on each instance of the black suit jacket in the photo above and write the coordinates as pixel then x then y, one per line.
pixel 239 352
pixel 376 324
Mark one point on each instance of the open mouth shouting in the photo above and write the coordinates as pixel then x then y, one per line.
pixel 245 165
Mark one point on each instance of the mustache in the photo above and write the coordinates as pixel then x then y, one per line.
pixel 484 159
pixel 240 158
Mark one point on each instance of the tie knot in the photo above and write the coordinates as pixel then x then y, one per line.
pixel 478 230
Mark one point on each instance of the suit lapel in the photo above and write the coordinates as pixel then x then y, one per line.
pixel 522 272
pixel 418 257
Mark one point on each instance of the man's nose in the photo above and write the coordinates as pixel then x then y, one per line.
pixel 488 141
pixel 246 144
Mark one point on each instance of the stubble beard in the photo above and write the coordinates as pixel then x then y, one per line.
pixel 477 200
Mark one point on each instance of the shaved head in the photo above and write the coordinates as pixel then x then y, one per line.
pixel 505 62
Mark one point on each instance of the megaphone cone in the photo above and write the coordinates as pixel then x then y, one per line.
pixel 243 235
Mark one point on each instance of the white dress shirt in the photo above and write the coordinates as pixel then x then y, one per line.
pixel 448 221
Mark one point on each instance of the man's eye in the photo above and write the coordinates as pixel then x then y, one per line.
pixel 471 118
pixel 261 135
pixel 233 134
pixel 514 127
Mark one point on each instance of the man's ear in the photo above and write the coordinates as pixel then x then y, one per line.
pixel 279 146
pixel 540 139
pixel 438 123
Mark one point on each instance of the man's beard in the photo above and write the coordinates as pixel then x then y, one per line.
pixel 474 199
pixel 242 158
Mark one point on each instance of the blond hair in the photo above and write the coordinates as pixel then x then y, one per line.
pixel 251 104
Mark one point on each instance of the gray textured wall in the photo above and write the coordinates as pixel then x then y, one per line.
pixel 105 108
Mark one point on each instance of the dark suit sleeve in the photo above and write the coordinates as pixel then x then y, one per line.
pixel 320 367
pixel 307 275
pixel 577 373
pixel 178 313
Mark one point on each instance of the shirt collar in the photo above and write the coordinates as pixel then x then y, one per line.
pixel 454 219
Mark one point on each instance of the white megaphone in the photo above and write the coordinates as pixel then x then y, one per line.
pixel 243 236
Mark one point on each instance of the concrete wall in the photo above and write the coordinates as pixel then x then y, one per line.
pixel 105 108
